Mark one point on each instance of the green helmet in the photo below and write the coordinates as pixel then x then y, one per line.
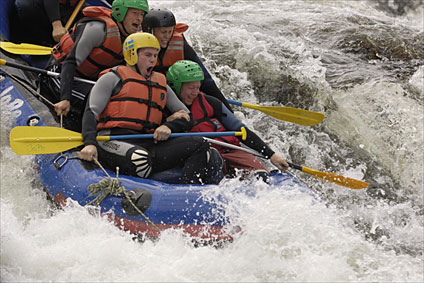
pixel 120 8
pixel 181 72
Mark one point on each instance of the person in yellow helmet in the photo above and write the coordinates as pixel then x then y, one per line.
pixel 132 99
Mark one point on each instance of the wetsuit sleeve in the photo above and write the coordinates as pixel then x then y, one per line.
pixel 88 36
pixel 179 125
pixel 98 99
pixel 173 103
pixel 52 9
pixel 208 85
pixel 231 123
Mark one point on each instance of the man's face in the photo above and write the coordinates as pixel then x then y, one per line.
pixel 189 92
pixel 163 34
pixel 147 60
pixel 133 19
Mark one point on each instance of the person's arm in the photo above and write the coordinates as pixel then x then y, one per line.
pixel 97 101
pixel 53 12
pixel 174 105
pixel 179 125
pixel 58 30
pixel 88 37
pixel 208 85
pixel 99 98
pixel 231 123
pixel 179 121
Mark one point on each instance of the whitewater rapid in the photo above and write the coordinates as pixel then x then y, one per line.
pixel 354 61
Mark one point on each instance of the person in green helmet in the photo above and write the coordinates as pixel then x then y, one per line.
pixel 209 115
pixel 94 44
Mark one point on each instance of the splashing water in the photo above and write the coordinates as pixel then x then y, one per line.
pixel 355 61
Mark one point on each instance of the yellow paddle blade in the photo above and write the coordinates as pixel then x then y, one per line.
pixel 25 48
pixel 42 140
pixel 337 179
pixel 289 114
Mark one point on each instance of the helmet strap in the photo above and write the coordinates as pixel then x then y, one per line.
pixel 124 29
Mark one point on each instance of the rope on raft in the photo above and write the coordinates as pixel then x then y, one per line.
pixel 111 186
pixel 106 186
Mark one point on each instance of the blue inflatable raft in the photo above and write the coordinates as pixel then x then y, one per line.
pixel 64 177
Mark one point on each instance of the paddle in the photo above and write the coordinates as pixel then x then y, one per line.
pixel 25 48
pixel 25 140
pixel 326 176
pixel 38 70
pixel 331 177
pixel 289 114
pixel 74 14
pixel 32 49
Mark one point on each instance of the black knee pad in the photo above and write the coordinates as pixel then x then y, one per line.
pixel 141 160
pixel 214 169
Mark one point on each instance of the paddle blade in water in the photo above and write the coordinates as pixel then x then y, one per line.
pixel 337 179
pixel 288 114
pixel 293 115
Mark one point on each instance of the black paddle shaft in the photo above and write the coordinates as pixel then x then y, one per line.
pixel 27 68
pixel 294 166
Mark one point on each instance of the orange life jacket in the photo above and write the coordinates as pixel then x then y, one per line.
pixel 100 58
pixel 204 121
pixel 175 50
pixel 139 104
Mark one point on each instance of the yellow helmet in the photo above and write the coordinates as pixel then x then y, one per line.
pixel 136 41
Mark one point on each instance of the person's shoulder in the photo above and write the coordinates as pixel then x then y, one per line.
pixel 181 27
pixel 96 25
pixel 109 75
pixel 161 79
pixel 214 102
pixel 159 75
pixel 212 99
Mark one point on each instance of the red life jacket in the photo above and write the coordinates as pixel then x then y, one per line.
pixel 175 50
pixel 204 121
pixel 71 2
pixel 139 104
pixel 100 58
